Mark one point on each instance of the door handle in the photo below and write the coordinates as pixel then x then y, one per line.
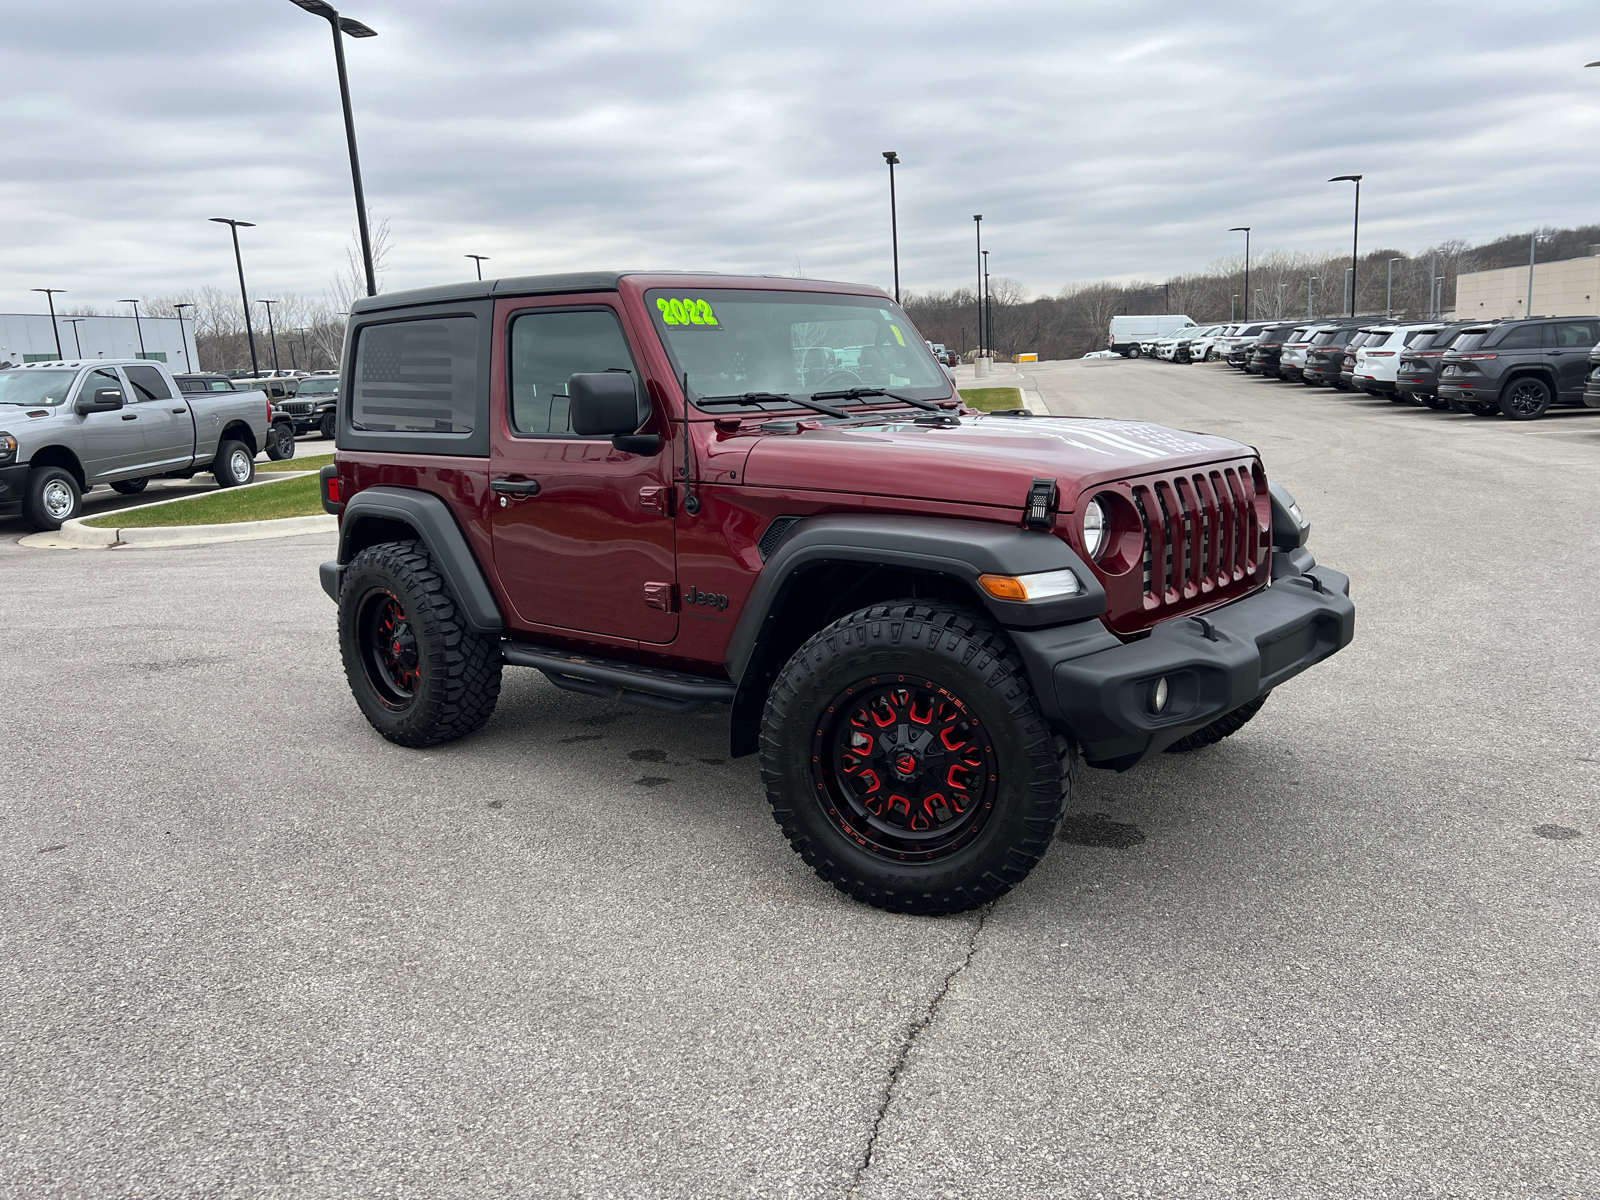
pixel 130 416
pixel 180 411
pixel 516 487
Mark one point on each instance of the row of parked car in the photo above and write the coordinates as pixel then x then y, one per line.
pixel 1514 368
pixel 300 403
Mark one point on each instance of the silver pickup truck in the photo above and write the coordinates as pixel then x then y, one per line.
pixel 66 427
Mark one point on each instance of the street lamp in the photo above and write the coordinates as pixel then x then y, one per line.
pixel 340 25
pixel 1245 229
pixel 977 219
pixel 1231 299
pixel 1388 303
pixel 1355 236
pixel 988 306
pixel 187 361
pixel 272 332
pixel 1311 308
pixel 136 325
pixel 50 297
pixel 304 349
pixel 249 333
pixel 480 259
pixel 75 322
pixel 1281 286
pixel 890 157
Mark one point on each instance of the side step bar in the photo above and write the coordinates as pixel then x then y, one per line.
pixel 648 687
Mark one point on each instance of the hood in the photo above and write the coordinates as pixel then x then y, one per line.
pixel 984 460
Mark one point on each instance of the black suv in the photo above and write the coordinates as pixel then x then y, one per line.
pixel 1325 355
pixel 1519 368
pixel 314 404
pixel 1417 378
pixel 1264 358
pixel 1591 389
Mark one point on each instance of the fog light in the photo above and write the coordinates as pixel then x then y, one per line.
pixel 1158 701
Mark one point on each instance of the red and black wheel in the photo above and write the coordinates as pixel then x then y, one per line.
pixel 907 762
pixel 418 673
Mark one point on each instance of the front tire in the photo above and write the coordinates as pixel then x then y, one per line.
pixel 234 464
pixel 907 762
pixel 280 441
pixel 52 498
pixel 327 428
pixel 419 675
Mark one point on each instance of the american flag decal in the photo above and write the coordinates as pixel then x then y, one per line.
pixel 417 376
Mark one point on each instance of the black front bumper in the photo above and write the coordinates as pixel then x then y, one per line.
pixel 13 488
pixel 1099 690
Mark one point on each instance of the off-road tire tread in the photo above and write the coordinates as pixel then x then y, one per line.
pixel 1224 726
pixel 468 663
pixel 1052 760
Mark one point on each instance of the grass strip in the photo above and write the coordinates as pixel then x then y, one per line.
pixel 990 399
pixel 314 462
pixel 300 497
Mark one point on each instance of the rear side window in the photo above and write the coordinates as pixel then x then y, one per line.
pixel 1375 339
pixel 1574 333
pixel 1520 337
pixel 416 376
pixel 1468 340
pixel 548 348
pixel 148 384
pixel 1359 339
pixel 1419 337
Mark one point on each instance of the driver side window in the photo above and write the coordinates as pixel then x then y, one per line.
pixel 100 379
pixel 547 349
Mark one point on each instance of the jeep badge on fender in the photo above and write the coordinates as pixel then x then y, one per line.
pixel 920 676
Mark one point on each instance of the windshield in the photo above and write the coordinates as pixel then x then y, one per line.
pixel 730 342
pixel 33 388
pixel 325 386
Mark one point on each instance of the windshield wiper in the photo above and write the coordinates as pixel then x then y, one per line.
pixel 761 397
pixel 858 393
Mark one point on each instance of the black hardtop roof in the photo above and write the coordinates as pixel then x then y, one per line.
pixel 552 285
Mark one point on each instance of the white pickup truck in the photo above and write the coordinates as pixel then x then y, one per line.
pixel 66 427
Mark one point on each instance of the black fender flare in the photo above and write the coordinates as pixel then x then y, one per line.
pixel 435 525
pixel 963 549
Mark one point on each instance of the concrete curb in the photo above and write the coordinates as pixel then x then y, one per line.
pixel 75 535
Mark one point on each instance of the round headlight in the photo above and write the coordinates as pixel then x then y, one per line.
pixel 1095 528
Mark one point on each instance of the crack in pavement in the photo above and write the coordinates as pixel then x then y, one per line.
pixel 913 1031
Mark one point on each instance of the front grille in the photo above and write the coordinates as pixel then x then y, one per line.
pixel 1205 537
pixel 296 408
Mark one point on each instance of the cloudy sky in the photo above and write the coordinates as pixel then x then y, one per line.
pixel 1098 139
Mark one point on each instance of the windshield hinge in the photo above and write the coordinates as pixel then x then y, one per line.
pixel 1042 501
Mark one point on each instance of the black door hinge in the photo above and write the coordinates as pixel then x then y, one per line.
pixel 1043 499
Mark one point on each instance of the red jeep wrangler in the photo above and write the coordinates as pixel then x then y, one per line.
pixel 677 490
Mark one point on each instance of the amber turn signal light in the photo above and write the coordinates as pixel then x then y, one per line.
pixel 1041 585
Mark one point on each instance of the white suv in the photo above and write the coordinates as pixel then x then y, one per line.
pixel 1240 337
pixel 1202 346
pixel 1378 358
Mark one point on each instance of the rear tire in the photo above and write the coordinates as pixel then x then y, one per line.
pixel 52 498
pixel 826 734
pixel 1134 352
pixel 1435 403
pixel 234 464
pixel 419 675
pixel 1484 410
pixel 130 487
pixel 1224 726
pixel 1526 399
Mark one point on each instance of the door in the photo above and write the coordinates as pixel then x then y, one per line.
pixel 1568 348
pixel 583 533
pixel 111 441
pixel 164 420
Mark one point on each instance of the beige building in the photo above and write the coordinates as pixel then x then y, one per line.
pixel 1569 288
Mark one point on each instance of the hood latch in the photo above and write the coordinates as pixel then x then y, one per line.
pixel 1043 500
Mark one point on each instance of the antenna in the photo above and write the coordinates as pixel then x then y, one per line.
pixel 691 502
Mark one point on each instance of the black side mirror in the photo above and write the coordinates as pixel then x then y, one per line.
pixel 611 404
pixel 103 400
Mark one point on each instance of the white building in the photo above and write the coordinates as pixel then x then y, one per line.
pixel 1568 288
pixel 29 337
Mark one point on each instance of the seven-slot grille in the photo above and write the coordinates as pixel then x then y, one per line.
pixel 298 408
pixel 1202 535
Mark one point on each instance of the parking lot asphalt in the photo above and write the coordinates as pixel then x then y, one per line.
pixel 249 949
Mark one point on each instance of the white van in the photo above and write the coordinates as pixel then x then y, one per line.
pixel 1131 335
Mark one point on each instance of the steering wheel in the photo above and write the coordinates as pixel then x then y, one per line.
pixel 836 381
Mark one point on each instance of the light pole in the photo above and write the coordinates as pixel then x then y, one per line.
pixel 988 307
pixel 74 322
pixel 1245 229
pixel 1433 275
pixel 1311 307
pixel 187 361
pixel 304 349
pixel 136 324
pixel 977 220
pixel 1231 299
pixel 1533 242
pixel 479 260
pixel 1388 303
pixel 1355 236
pixel 1281 286
pixel 342 25
pixel 890 157
pixel 50 295
pixel 272 332
pixel 249 332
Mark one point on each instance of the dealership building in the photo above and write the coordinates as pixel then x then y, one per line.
pixel 32 337
pixel 1568 288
